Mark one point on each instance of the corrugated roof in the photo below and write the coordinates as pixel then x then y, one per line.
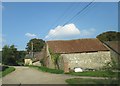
pixel 76 46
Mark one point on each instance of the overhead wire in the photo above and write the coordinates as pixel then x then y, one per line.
pixel 64 14
pixel 60 17
pixel 84 12
pixel 78 13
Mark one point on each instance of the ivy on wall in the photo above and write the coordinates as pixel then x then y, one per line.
pixel 55 58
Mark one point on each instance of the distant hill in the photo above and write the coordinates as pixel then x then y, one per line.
pixel 109 36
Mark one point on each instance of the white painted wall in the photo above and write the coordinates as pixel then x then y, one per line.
pixel 28 61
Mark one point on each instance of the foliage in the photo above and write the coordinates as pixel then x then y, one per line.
pixel 107 66
pixel 9 55
pixel 109 36
pixel 115 65
pixel 2 68
pixel 95 73
pixel 37 45
pixel 20 57
pixel 94 82
pixel 45 69
pixel 7 71
pixel 55 57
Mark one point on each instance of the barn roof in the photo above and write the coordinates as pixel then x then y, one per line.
pixel 76 46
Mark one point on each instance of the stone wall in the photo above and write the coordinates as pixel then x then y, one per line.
pixel 93 60
pixel 48 61
pixel 37 63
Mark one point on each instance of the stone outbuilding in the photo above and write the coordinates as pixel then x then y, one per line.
pixel 83 53
pixel 35 58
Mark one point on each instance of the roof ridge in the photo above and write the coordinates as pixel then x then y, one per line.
pixel 75 39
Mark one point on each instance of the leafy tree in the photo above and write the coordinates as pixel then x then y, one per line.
pixel 9 55
pixel 20 57
pixel 109 36
pixel 36 43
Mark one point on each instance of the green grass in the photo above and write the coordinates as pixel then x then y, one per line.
pixel 6 71
pixel 45 69
pixel 94 82
pixel 87 73
pixel 96 73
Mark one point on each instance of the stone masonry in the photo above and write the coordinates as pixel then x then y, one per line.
pixel 93 60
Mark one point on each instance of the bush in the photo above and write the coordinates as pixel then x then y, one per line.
pixel 7 71
pixel 2 68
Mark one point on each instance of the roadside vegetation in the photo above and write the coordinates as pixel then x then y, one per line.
pixel 110 77
pixel 91 82
pixel 55 58
pixel 106 71
pixel 95 73
pixel 11 56
pixel 45 69
pixel 6 70
pixel 86 73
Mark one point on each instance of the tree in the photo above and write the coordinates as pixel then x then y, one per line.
pixel 37 45
pixel 109 36
pixel 9 55
pixel 20 57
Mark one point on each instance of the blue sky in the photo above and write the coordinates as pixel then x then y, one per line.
pixel 23 21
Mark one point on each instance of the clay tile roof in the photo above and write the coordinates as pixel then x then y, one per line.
pixel 76 46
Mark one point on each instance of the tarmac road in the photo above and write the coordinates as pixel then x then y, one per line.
pixel 26 75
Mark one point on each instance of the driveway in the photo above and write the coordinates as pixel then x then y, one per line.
pixel 26 75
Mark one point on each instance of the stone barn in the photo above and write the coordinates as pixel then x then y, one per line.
pixel 83 53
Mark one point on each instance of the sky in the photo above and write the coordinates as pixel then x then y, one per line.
pixel 58 0
pixel 22 21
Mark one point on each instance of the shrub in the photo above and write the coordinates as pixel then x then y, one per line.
pixel 7 71
pixel 2 68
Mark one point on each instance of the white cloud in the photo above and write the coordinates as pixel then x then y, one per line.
pixel 60 32
pixel 87 32
pixel 30 35
pixel 69 31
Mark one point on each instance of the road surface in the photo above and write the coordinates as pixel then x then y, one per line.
pixel 26 75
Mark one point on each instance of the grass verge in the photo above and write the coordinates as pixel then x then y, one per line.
pixel 94 82
pixel 96 73
pixel 45 69
pixel 87 73
pixel 6 71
